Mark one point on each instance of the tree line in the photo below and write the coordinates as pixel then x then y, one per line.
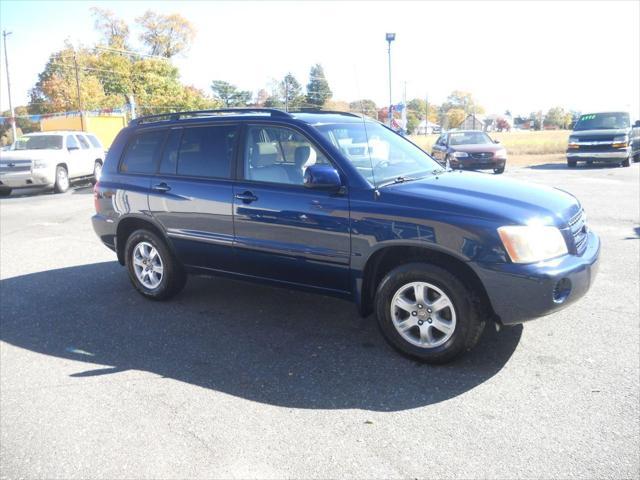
pixel 106 75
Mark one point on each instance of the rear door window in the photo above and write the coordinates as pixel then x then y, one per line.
pixel 83 142
pixel 72 142
pixel 142 151
pixel 94 141
pixel 205 151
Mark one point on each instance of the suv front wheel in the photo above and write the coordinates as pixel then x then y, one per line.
pixel 153 270
pixel 427 313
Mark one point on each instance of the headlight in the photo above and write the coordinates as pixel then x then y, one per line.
pixel 620 141
pixel 529 244
pixel 573 142
pixel 501 153
pixel 460 154
pixel 39 164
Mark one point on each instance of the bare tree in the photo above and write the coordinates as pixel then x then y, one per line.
pixel 114 30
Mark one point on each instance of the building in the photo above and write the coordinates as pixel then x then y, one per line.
pixel 473 122
pixel 105 127
pixel 425 128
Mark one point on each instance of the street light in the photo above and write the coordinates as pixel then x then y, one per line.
pixel 5 34
pixel 390 38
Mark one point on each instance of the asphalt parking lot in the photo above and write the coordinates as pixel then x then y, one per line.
pixel 234 380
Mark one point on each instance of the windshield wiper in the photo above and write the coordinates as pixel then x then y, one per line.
pixel 396 180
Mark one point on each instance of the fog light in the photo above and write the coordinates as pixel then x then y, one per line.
pixel 561 290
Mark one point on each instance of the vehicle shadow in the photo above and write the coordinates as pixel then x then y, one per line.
pixel 260 343
pixel 74 189
pixel 563 166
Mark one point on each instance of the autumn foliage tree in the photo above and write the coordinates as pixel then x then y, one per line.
pixel 165 35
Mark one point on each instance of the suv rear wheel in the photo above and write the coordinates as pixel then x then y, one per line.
pixel 571 163
pixel 97 171
pixel 426 312
pixel 5 192
pixel 153 270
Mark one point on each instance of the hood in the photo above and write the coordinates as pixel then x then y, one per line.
pixel 482 147
pixel 486 196
pixel 600 133
pixel 9 155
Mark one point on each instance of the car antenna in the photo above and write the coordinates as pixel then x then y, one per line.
pixel 376 191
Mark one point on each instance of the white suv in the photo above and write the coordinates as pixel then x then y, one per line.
pixel 50 159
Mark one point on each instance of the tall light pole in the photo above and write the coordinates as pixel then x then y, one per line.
pixel 390 38
pixel 5 34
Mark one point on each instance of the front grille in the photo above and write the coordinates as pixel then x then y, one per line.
pixel 597 148
pixel 481 155
pixel 15 166
pixel 579 230
pixel 596 139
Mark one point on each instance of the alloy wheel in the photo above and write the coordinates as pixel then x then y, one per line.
pixel 147 265
pixel 423 314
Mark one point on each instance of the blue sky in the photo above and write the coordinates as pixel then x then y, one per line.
pixel 521 56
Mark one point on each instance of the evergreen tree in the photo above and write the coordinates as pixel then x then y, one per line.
pixel 318 91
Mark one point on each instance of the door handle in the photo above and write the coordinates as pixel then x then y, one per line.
pixel 161 187
pixel 246 197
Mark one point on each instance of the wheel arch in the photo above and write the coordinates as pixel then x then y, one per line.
pixel 385 259
pixel 127 225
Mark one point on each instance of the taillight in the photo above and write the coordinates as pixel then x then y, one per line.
pixel 96 197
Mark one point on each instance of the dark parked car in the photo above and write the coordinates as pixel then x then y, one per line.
pixel 470 150
pixel 337 204
pixel 604 137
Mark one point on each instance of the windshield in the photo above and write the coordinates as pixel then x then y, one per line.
pixel 469 138
pixel 603 121
pixel 379 154
pixel 39 142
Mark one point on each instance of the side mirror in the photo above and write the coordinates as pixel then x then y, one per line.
pixel 637 124
pixel 322 177
pixel 496 141
pixel 73 148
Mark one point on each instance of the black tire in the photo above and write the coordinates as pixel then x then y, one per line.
pixel 498 171
pixel 174 277
pixel 626 162
pixel 572 163
pixel 97 168
pixel 60 186
pixel 5 192
pixel 469 320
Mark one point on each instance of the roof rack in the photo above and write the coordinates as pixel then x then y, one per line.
pixel 167 117
pixel 334 112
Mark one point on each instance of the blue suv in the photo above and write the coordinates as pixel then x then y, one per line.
pixel 339 204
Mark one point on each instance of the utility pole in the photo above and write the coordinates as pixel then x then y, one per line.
pixel 75 64
pixel 426 117
pixel 390 38
pixel 5 34
pixel 286 93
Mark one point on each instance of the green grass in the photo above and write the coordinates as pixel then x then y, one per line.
pixel 517 143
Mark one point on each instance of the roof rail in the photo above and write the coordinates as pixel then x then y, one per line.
pixel 173 116
pixel 334 112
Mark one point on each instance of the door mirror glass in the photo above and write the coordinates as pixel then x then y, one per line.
pixel 496 141
pixel 637 124
pixel 322 177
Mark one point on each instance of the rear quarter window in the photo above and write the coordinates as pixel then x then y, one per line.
pixel 94 141
pixel 142 151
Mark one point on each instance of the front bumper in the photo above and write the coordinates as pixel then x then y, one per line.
pixel 523 292
pixel 26 179
pixel 611 156
pixel 474 164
